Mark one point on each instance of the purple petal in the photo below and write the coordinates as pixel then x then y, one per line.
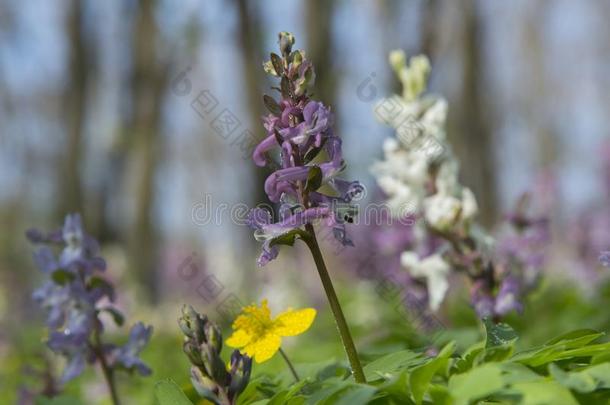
pixel 259 152
pixel 268 253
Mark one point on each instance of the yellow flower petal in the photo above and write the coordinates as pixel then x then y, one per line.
pixel 264 348
pixel 239 338
pixel 292 323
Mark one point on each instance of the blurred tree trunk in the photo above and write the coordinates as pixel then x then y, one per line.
pixel 535 89
pixel 250 45
pixel 320 49
pixel 149 82
pixel 429 34
pixel 70 198
pixel 252 55
pixel 473 130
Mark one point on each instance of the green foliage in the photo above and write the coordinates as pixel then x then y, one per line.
pixel 169 393
pixel 569 369
pixel 483 365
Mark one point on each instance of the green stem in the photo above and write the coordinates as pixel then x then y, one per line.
pixel 346 337
pixel 290 366
pixel 106 370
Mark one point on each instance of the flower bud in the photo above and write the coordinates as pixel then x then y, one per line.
pixel 286 40
pixel 213 364
pixel 398 60
pixel 192 324
pixel 296 58
pixel 241 366
pixel 205 386
pixel 193 352
pixel 213 336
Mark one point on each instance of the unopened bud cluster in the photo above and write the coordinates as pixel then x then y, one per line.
pixel 209 373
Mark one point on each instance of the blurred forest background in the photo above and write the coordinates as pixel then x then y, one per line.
pixel 96 117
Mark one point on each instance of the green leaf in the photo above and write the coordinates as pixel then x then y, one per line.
pixel 544 392
pixel 496 353
pixel 332 386
pixel 468 358
pixel 397 387
pixel 545 355
pixel 259 388
pixel 586 380
pixel 99 282
pixel 169 393
pixel 314 179
pixel 272 105
pixel 117 316
pixel 440 395
pixel 477 383
pixel 285 87
pixel 421 376
pixel 391 363
pixel 313 152
pixel 576 338
pixel 489 379
pixel 356 394
pixel 287 238
pixel 498 334
pixel 62 277
pixel 277 63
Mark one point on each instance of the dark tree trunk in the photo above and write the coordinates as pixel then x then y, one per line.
pixel 70 198
pixel 472 139
pixel 320 48
pixel 148 86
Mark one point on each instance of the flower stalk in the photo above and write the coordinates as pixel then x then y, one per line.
pixel 335 306
pixel 106 369
pixel 290 366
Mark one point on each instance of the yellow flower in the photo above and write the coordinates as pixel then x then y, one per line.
pixel 260 337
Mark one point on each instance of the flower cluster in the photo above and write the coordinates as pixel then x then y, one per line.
pixel 260 336
pixel 209 373
pixel 73 296
pixel 310 157
pixel 419 175
pixel 519 257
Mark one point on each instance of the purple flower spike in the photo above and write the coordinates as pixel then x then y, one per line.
pixel 73 296
pixel 301 128
pixel 604 259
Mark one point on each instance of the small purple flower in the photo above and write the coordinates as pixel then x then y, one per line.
pixel 76 351
pixel 127 356
pixel 482 299
pixel 604 259
pixel 508 298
